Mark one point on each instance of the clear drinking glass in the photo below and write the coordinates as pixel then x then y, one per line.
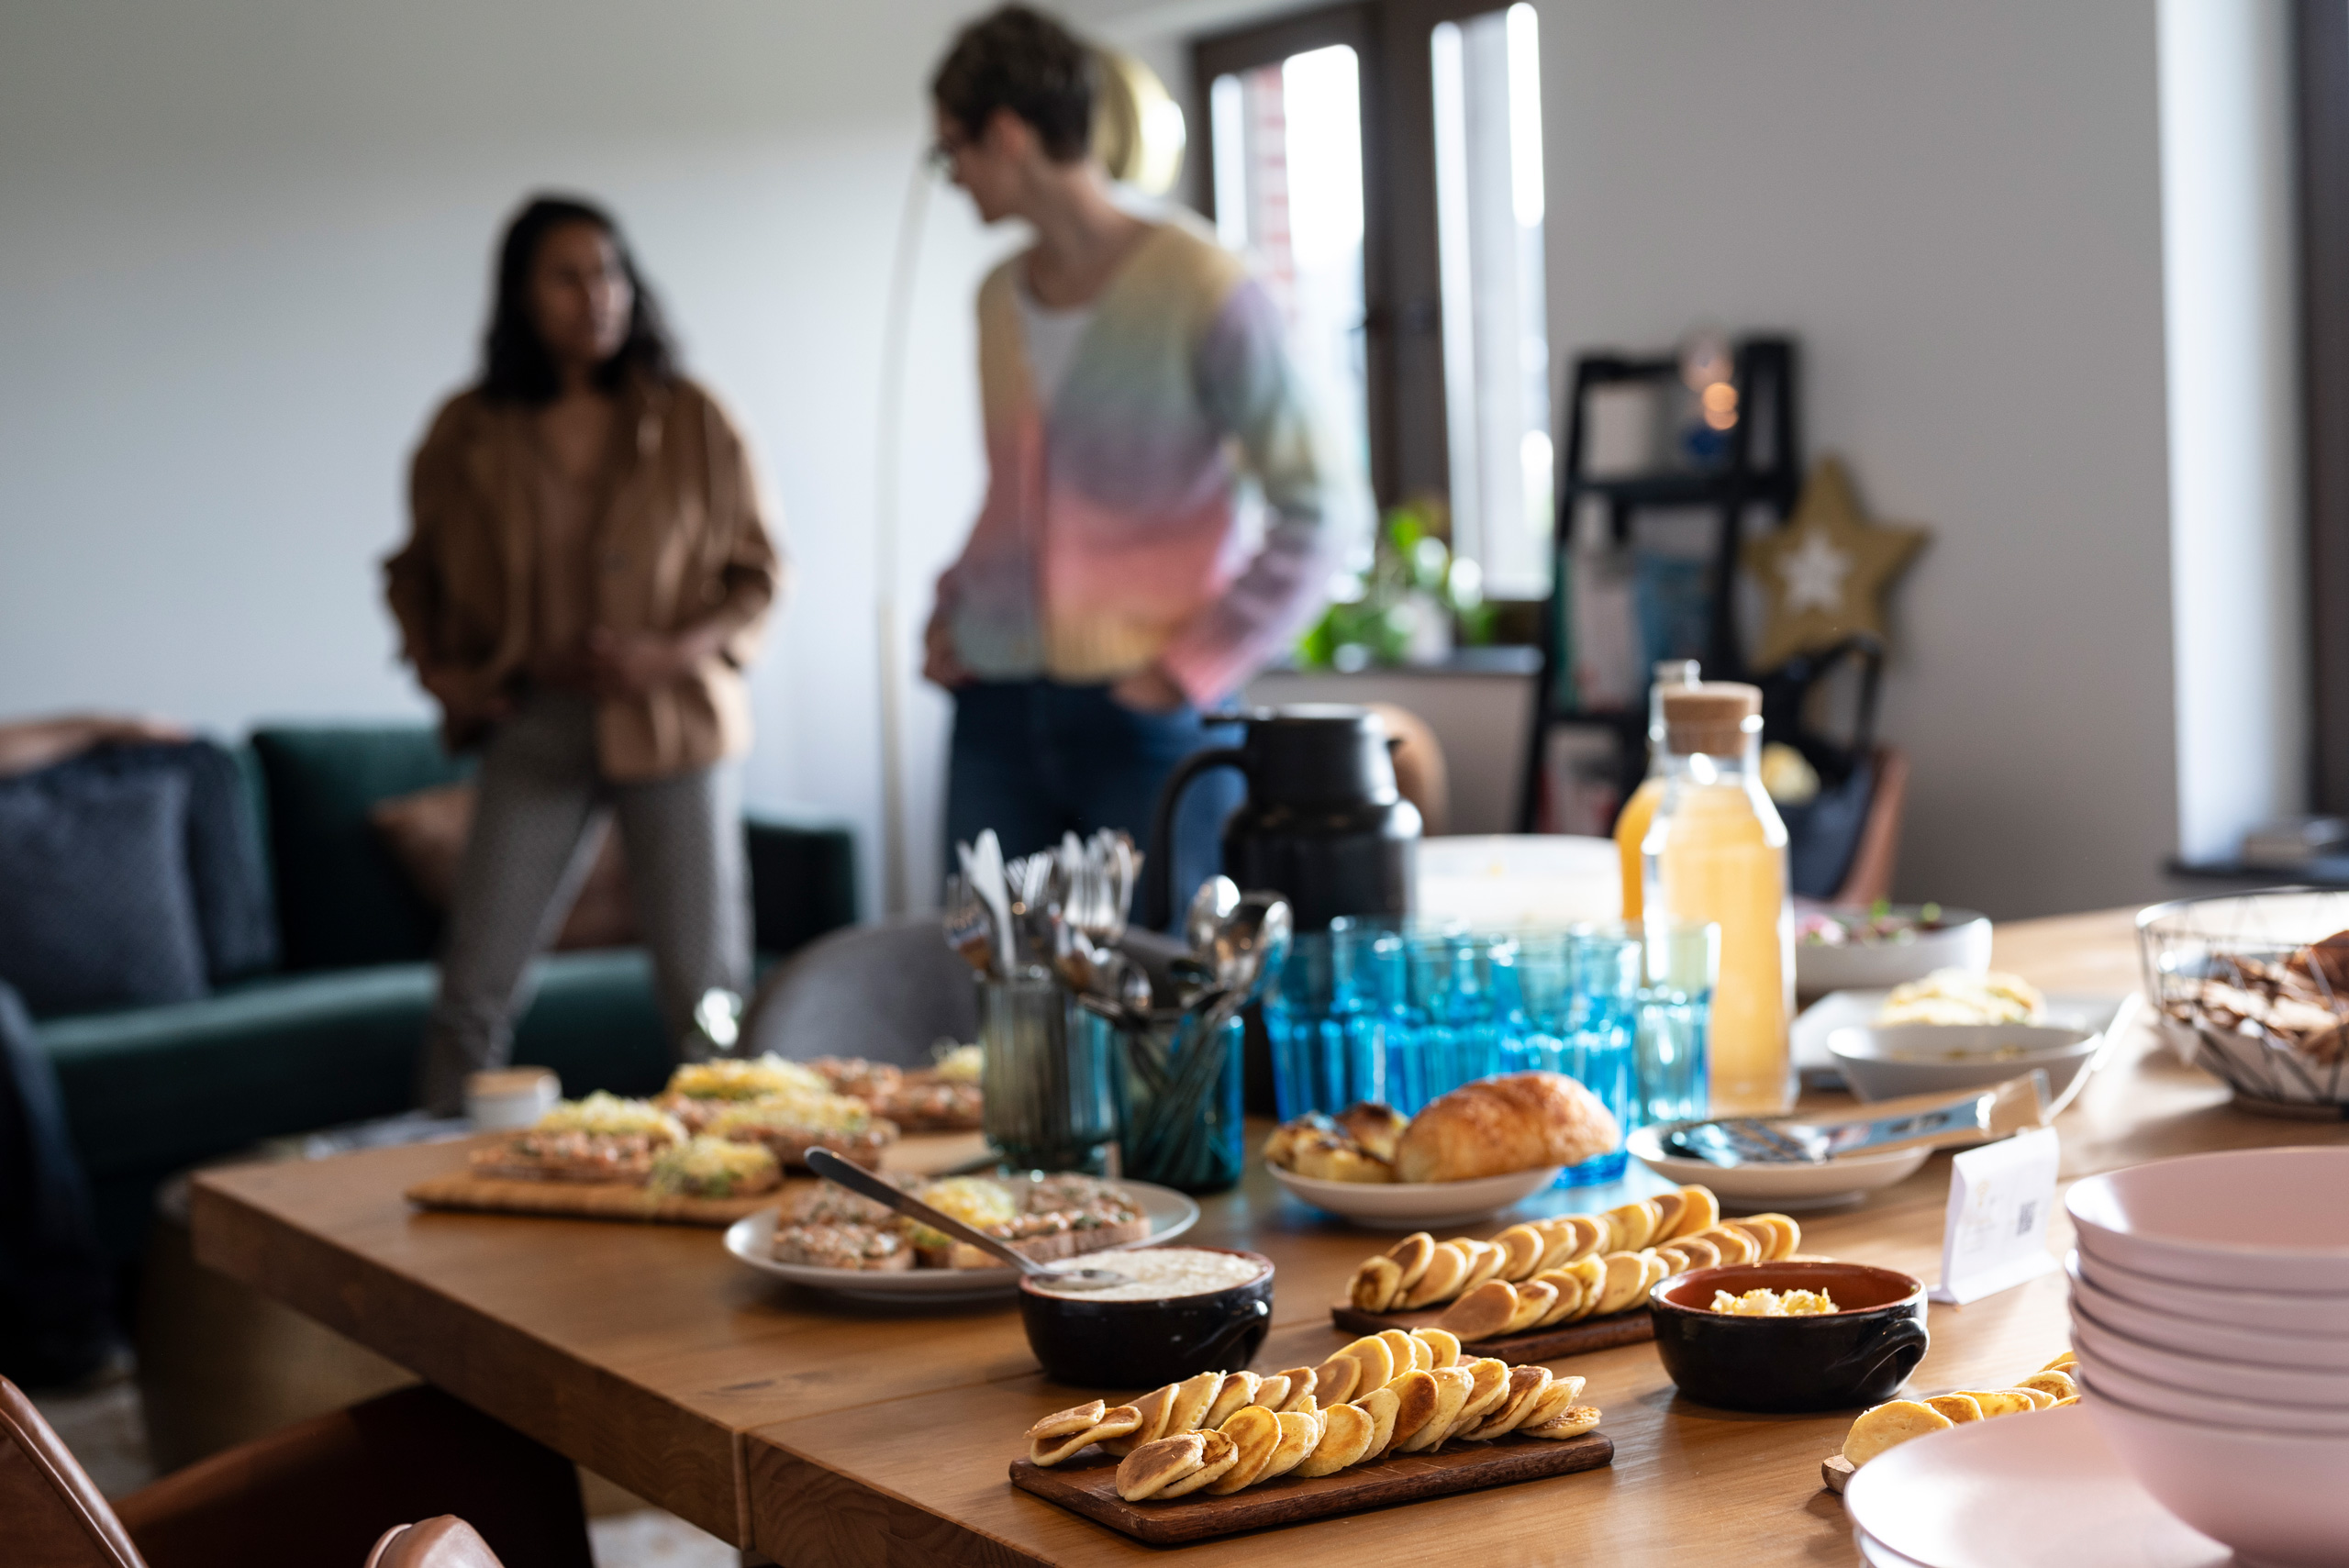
pixel 1046 1076
pixel 1682 961
pixel 1178 1102
pixel 1603 1020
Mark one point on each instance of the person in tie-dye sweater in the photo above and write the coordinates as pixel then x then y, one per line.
pixel 1131 372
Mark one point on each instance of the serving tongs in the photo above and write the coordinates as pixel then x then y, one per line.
pixel 1929 1121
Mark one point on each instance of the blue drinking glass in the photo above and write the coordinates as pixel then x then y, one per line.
pixel 1680 965
pixel 1602 1029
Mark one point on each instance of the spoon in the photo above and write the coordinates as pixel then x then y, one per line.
pixel 1218 896
pixel 864 1183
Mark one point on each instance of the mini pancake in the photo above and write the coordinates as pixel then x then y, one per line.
pixel 1669 1207
pixel 1217 1454
pixel 1958 1407
pixel 1700 1253
pixel 1257 1431
pixel 1346 1432
pixel 1375 1284
pixel 1439 1281
pixel 1995 1402
pixel 1412 1254
pixel 1488 1390
pixel 1301 1384
pixel 1377 1359
pixel 1335 1379
pixel 2056 1384
pixel 1485 1311
pixel 1558 1241
pixel 1889 1426
pixel 2061 1364
pixel 1525 1386
pixel 1150 1408
pixel 1522 1248
pixel 1534 1299
pixel 1061 1423
pixel 1407 1352
pixel 1273 1393
pixel 1451 1386
pixel 1301 1435
pixel 1147 1471
pixel 1702 1213
pixel 1552 1402
pixel 1627 1275
pixel 1735 1246
pixel 1238 1388
pixel 1382 1405
pixel 1484 1263
pixel 1187 1411
pixel 1630 1225
pixel 1415 1393
pixel 1791 1228
pixel 1567 1296
pixel 1443 1346
pixel 1570 1422
pixel 1115 1423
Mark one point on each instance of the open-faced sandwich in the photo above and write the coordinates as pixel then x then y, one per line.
pixel 600 1138
pixel 1044 1217
pixel 713 1167
pixel 918 1101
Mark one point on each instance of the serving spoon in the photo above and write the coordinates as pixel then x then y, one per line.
pixel 864 1183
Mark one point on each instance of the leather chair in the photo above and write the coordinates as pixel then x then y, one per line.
pixel 338 1489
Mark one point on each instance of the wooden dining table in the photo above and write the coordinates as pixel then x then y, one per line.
pixel 820 1431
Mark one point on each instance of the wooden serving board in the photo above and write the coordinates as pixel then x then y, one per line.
pixel 1533 1345
pixel 581 1200
pixel 1088 1486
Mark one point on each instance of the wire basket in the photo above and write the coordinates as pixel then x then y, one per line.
pixel 2254 987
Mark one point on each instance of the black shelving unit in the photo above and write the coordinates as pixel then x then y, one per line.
pixel 1762 466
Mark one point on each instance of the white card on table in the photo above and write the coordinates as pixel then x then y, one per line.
pixel 1999 1197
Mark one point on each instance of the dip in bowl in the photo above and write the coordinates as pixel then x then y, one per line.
pixel 1858 1354
pixel 1188 1310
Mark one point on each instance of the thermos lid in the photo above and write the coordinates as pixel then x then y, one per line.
pixel 1711 718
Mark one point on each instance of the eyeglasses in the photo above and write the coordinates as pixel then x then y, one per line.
pixel 941 155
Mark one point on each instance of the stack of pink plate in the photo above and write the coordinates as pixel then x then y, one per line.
pixel 2210 1313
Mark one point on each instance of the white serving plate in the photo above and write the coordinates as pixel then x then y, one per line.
pixel 1807 1040
pixel 2037 1491
pixel 751 1239
pixel 1964 943
pixel 2263 1219
pixel 1788 1187
pixel 1416 1206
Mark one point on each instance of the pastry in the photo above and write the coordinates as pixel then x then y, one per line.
pixel 1374 1125
pixel 1518 1121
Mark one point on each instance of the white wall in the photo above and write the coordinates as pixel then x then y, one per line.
pixel 1956 210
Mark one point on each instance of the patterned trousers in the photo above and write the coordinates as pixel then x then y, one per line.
pixel 531 847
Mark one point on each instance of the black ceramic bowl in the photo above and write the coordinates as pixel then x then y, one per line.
pixel 1860 1354
pixel 1128 1345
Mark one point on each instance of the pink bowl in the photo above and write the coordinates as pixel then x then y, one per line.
pixel 2276 1498
pixel 2259 1220
pixel 2287 1314
pixel 2101 1345
pixel 2225 1410
pixel 2190 1337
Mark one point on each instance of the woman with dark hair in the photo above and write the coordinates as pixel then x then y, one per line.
pixel 588 573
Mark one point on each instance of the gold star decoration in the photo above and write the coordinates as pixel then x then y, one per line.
pixel 1825 572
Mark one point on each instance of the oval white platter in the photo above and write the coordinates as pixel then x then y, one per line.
pixel 1416 1206
pixel 751 1239
pixel 1789 1187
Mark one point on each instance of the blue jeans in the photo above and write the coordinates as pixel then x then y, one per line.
pixel 1035 759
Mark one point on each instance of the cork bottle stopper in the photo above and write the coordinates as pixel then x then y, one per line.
pixel 1710 718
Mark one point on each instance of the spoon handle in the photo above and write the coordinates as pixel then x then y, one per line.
pixel 864 1183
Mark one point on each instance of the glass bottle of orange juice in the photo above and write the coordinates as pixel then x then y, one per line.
pixel 1632 822
pixel 1716 852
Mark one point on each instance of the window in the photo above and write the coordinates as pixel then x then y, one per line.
pixel 1382 163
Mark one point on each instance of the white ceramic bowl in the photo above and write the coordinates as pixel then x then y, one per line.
pixel 1885 1061
pixel 2263 1219
pixel 2227 1411
pixel 2302 1387
pixel 2276 1498
pixel 1790 1187
pixel 2287 1314
pixel 2191 1337
pixel 1963 942
pixel 1416 1206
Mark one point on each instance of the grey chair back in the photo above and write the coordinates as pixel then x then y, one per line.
pixel 883 992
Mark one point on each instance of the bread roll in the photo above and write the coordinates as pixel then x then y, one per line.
pixel 1519 1121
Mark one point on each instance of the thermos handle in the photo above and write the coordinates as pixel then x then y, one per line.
pixel 1158 871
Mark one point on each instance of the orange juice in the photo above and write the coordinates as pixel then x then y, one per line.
pixel 1632 822
pixel 1715 850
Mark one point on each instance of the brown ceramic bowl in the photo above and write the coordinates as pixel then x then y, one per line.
pixel 1131 1345
pixel 1859 1354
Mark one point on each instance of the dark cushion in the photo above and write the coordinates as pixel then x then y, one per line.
pixel 94 906
pixel 341 898
pixel 227 873
pixel 803 878
pixel 150 1091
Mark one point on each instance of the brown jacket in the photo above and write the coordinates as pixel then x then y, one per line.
pixel 683 540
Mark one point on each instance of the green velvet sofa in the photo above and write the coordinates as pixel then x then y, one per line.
pixel 331 1037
